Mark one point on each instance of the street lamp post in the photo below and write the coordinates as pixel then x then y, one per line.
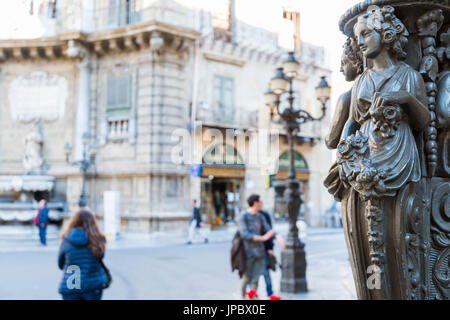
pixel 293 276
pixel 85 163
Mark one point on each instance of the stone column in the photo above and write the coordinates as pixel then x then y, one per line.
pixel 83 105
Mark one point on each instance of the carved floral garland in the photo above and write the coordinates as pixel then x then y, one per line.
pixel 357 170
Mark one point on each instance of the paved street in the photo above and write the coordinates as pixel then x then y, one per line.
pixel 152 267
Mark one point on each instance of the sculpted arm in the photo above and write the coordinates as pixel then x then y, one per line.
pixel 351 126
pixel 339 120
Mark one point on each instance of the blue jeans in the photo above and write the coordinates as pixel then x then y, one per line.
pixel 267 274
pixel 92 295
pixel 43 234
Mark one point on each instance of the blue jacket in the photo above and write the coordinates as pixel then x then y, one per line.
pixel 43 216
pixel 197 216
pixel 75 253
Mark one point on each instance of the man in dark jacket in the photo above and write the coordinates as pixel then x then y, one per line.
pixel 83 278
pixel 255 231
pixel 43 222
pixel 195 223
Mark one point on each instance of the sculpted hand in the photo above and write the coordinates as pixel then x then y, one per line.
pixel 390 98
pixel 282 243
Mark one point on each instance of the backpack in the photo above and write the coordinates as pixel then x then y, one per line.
pixel 36 218
pixel 238 254
pixel 238 257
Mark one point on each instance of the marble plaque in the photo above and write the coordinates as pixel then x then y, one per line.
pixel 38 96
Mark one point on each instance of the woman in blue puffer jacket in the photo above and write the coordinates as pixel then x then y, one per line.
pixel 80 253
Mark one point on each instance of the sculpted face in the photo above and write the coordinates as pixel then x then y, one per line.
pixel 369 40
pixel 348 69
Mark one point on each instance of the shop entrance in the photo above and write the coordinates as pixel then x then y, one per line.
pixel 226 200
pixel 223 173
pixel 221 200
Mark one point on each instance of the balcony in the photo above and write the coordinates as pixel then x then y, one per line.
pixel 118 129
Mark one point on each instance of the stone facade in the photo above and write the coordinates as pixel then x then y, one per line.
pixel 168 56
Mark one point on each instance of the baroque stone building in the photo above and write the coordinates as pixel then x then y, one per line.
pixel 130 73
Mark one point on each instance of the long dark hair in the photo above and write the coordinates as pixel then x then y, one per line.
pixel 85 220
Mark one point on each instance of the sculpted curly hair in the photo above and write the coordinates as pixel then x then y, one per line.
pixel 392 30
pixel 353 54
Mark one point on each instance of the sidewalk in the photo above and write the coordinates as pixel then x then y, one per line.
pixel 26 238
pixel 141 262
pixel 219 235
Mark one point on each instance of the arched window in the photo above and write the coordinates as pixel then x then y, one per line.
pixel 222 155
pixel 299 162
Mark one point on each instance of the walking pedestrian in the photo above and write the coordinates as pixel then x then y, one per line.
pixel 268 253
pixel 80 257
pixel 196 224
pixel 41 220
pixel 255 231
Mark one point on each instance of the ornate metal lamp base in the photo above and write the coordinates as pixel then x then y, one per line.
pixel 293 278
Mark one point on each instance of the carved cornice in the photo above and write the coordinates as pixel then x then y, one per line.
pixel 147 27
pixel 224 59
pixel 76 45
pixel 240 53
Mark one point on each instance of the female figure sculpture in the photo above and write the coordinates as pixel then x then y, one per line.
pixel 378 155
pixel 388 101
pixel 351 67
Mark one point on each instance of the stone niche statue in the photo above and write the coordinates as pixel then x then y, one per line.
pixel 33 161
pixel 392 139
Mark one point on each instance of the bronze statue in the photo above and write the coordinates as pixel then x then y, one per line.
pixel 388 102
pixel 351 66
pixel 393 152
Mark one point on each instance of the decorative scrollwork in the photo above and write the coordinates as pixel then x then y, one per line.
pixel 412 213
pixel 440 210
pixel 440 233
pixel 441 274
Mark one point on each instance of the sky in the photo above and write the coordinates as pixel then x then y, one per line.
pixel 318 22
